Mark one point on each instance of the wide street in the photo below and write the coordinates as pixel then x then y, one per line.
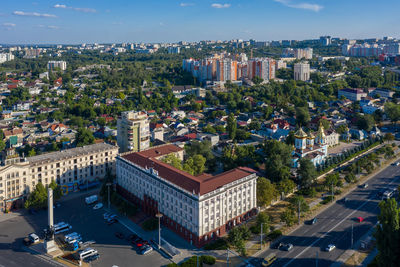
pixel 84 220
pixel 335 224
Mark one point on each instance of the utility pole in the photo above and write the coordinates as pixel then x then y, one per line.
pixel 159 215
pixel 298 212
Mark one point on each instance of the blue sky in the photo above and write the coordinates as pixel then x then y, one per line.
pixel 88 21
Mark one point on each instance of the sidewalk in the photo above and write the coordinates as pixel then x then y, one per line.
pixel 11 215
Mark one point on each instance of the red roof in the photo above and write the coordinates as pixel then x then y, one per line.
pixel 201 184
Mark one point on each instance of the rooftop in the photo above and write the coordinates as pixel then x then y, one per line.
pixel 201 184
pixel 70 153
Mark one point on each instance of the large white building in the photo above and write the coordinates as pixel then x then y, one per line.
pixel 133 131
pixel 301 71
pixel 62 65
pixel 300 53
pixel 198 208
pixel 4 57
pixel 69 168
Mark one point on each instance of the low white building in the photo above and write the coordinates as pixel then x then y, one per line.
pixel 198 208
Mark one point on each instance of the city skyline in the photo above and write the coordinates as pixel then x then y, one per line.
pixel 73 22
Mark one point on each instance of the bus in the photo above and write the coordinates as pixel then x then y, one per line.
pixel 269 259
pixel 61 227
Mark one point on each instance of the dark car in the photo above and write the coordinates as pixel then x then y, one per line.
pixel 278 245
pixel 92 258
pixel 112 221
pixel 27 241
pixel 287 247
pixel 119 235
pixel 141 243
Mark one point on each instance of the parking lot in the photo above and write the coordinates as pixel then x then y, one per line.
pixel 91 225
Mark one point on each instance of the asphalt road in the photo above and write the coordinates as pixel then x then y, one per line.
pixel 84 220
pixel 12 233
pixel 335 224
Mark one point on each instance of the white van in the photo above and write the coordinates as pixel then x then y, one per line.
pixel 86 253
pixel 34 238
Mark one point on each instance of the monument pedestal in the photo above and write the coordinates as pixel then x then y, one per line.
pixel 50 246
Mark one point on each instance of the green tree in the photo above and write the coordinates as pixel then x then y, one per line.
pixel 57 192
pixel 37 199
pixel 2 145
pixel 278 160
pixel 365 122
pixel 286 186
pixel 173 160
pixel 302 116
pixel 388 234
pixel 332 179
pixel 306 173
pixel 84 137
pixel 264 220
pixel 266 191
pixel 299 204
pixel 195 165
pixel 237 237
pixel 231 126
pixel 257 80
pixel 392 110
pixel 288 217
pixel 388 137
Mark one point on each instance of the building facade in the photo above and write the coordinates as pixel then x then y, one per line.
pixel 62 65
pixel 313 147
pixel 198 208
pixel 69 168
pixel 6 57
pixel 133 131
pixel 302 71
pixel 353 94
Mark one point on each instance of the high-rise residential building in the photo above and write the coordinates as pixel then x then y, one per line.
pixel 306 53
pixel 62 65
pixel 6 57
pixel 70 168
pixel 392 49
pixel 174 50
pixel 302 71
pixel 133 131
pixel 325 40
pixel 226 70
pixel 263 68
pixel 32 53
pixel 198 208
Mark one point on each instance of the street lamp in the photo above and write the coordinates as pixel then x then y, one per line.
pixel 261 236
pixel 159 215
pixel 108 186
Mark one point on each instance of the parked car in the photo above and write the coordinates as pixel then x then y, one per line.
pixel 92 258
pixel 314 221
pixel 27 241
pixel 34 238
pixel 287 247
pixel 98 206
pixel 146 249
pixel 330 247
pixel 278 245
pixel 111 221
pixel 119 235
pixel 364 185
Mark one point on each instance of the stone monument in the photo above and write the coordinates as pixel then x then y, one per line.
pixel 49 243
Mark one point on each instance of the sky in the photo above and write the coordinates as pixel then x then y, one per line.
pixel 116 21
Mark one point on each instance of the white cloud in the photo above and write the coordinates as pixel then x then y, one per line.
pixel 48 26
pixel 307 6
pixel 34 14
pixel 186 4
pixel 215 5
pixel 80 9
pixel 8 24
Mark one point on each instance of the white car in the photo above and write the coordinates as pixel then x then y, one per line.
pixel 98 206
pixel 330 247
pixel 34 238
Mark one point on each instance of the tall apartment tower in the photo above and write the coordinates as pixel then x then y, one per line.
pixel 133 131
pixel 302 71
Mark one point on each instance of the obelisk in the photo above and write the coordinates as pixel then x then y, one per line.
pixel 49 239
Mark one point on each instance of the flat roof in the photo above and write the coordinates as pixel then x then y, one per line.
pixel 70 153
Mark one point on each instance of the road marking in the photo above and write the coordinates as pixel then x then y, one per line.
pixel 345 218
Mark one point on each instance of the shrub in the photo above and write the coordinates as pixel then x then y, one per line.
pixel 210 260
pixel 150 224
pixel 255 229
pixel 172 264
pixel 327 199
pixel 274 234
pixel 219 244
